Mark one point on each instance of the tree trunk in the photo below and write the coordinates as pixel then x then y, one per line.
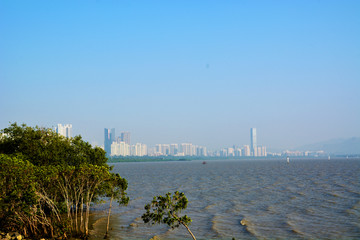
pixel 177 218
pixel 192 235
pixel 82 214
pixel 76 217
pixel 87 215
pixel 108 221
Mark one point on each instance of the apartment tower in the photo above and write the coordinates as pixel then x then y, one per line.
pixel 64 130
pixel 109 138
pixel 253 144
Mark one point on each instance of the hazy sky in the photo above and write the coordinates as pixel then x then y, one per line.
pixel 184 71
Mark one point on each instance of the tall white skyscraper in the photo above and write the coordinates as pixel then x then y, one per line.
pixel 253 144
pixel 64 130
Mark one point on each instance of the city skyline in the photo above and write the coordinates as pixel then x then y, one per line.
pixel 202 72
pixel 121 146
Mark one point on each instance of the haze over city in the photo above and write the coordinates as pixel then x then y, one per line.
pixel 197 71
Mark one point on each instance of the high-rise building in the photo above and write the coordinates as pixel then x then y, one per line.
pixel 238 152
pixel 140 150
pixel 174 149
pixel 158 149
pixel 263 150
pixel 201 151
pixel 125 137
pixel 253 144
pixel 230 152
pixel 165 149
pixel 246 150
pixel 120 149
pixel 186 149
pixel 223 152
pixel 109 138
pixel 64 130
pixel 259 152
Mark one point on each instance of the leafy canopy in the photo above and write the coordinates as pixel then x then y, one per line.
pixel 166 209
pixel 42 146
pixel 48 182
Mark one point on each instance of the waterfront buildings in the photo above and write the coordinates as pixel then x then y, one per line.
pixel 246 150
pixel 122 147
pixel 140 150
pixel 186 149
pixel 174 149
pixel 201 151
pixel 64 130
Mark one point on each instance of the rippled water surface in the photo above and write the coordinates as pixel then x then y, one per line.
pixel 306 199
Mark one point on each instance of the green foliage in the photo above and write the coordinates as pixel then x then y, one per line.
pixel 43 146
pixel 166 209
pixel 23 203
pixel 48 182
pixel 17 194
pixel 115 188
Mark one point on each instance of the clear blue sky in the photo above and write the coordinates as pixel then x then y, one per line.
pixel 184 71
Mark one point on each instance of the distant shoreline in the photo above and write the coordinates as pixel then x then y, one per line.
pixel 189 158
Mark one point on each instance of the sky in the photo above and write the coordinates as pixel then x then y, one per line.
pixel 203 72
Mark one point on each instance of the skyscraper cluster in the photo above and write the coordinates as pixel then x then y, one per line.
pixel 174 149
pixel 247 150
pixel 255 150
pixel 121 146
pixel 64 130
pixel 241 152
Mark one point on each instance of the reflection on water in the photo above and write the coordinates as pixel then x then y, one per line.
pixel 306 199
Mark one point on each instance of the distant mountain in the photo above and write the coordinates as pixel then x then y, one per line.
pixel 335 146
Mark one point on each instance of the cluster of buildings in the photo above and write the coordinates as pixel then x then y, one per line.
pixel 252 150
pixel 302 153
pixel 121 146
pixel 244 151
pixel 64 130
pixel 174 149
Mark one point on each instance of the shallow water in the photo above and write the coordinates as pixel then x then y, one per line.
pixel 306 199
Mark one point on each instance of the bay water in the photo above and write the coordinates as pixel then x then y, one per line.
pixel 242 199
